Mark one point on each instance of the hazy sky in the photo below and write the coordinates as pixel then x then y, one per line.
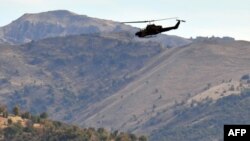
pixel 204 18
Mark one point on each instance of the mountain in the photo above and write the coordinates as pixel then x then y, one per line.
pixel 115 80
pixel 56 23
pixel 63 23
pixel 172 78
pixel 64 75
pixel 68 62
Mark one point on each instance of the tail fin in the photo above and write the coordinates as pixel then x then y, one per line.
pixel 173 27
pixel 177 24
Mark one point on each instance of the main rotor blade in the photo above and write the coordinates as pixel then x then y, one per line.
pixel 164 19
pixel 137 22
pixel 151 20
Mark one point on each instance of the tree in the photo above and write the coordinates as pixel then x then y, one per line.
pixel 16 110
pixel 142 138
pixel 5 114
pixel 245 77
pixel 231 88
pixel 26 115
pixel 103 134
pixel 114 134
pixel 44 115
pixel 133 137
pixel 2 109
pixel 13 130
pixel 35 119
pixel 10 121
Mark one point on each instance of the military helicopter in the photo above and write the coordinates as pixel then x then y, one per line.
pixel 153 29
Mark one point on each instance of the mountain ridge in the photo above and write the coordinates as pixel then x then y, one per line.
pixel 55 23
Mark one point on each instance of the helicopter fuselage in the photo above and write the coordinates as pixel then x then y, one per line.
pixel 153 29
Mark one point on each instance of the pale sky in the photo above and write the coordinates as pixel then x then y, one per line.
pixel 204 17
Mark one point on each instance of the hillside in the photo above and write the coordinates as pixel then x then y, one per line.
pixel 25 126
pixel 64 75
pixel 176 76
pixel 85 79
pixel 204 115
pixel 205 121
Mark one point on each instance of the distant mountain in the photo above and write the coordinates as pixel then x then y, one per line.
pixel 63 23
pixel 56 23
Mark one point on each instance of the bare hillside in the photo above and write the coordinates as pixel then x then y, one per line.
pixel 181 74
pixel 64 75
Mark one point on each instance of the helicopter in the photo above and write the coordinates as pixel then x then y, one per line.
pixel 152 29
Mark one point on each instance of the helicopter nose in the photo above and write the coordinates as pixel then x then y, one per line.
pixel 139 34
